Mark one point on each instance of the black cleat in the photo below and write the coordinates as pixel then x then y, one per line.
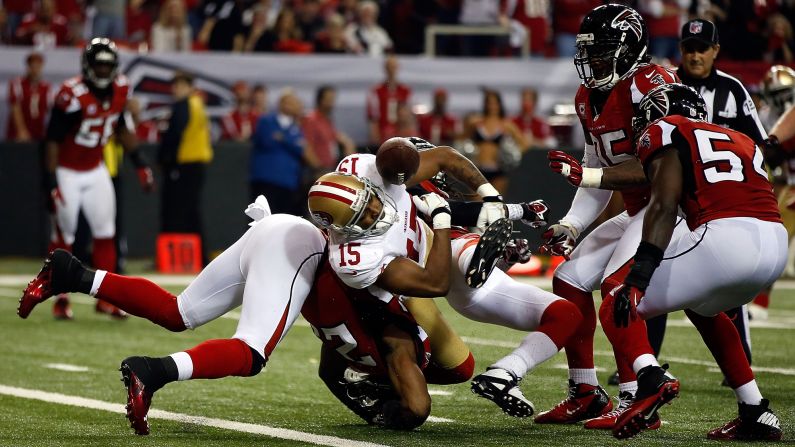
pixel 490 249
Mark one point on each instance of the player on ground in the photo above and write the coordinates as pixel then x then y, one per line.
pixel 717 177
pixel 386 255
pixel 613 63
pixel 88 110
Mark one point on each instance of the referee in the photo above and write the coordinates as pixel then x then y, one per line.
pixel 728 105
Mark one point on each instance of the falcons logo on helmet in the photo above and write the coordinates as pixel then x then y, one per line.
pixel 629 20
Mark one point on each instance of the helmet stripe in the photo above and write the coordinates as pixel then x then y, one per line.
pixel 330 195
pixel 336 185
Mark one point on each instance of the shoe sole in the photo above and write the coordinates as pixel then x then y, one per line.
pixel 510 405
pixel 489 249
pixel 636 418
pixel 28 301
pixel 141 427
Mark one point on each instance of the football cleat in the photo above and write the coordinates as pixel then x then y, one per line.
pixel 584 402
pixel 613 379
pixel 754 423
pixel 52 279
pixel 608 420
pixel 655 388
pixel 138 397
pixel 489 250
pixel 502 387
pixel 104 307
pixel 61 310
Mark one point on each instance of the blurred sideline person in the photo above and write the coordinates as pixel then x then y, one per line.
pixel 29 102
pixel 328 143
pixel 383 101
pixel 184 153
pixel 439 126
pixel 88 110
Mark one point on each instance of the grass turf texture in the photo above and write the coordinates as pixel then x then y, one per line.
pixel 288 394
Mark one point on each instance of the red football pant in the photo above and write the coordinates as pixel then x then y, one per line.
pixel 579 348
pixel 721 337
pixel 630 342
pixel 142 298
pixel 437 375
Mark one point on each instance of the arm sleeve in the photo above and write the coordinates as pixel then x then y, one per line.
pixel 60 123
pixel 172 136
pixel 748 120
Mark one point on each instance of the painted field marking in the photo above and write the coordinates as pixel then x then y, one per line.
pixel 273 432
pixel 434 392
pixel 66 367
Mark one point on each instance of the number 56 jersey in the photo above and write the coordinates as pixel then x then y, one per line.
pixel 722 170
pixel 359 262
pixel 84 122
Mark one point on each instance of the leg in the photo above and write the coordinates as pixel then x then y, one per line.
pixel 739 318
pixel 407 380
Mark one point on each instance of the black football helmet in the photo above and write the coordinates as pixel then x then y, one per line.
pixel 612 41
pixel 666 100
pixel 100 52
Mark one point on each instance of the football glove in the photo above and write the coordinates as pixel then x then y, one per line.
pixel 146 178
pixel 569 167
pixel 625 304
pixel 435 207
pixel 493 207
pixel 534 214
pixel 559 239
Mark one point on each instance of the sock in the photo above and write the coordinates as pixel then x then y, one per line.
pixel 629 342
pixel 437 375
pixel 184 365
pixel 535 348
pixel 214 359
pixel 643 361
pixel 628 387
pixel 723 341
pixel 579 348
pixel 580 375
pixel 749 393
pixel 104 254
pixel 142 298
pixel 153 372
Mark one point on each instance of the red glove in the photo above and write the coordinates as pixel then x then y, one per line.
pixel 566 165
pixel 625 303
pixel 146 178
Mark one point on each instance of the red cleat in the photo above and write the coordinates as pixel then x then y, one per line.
pixel 655 388
pixel 584 402
pixel 104 307
pixel 608 420
pixel 755 423
pixel 61 310
pixel 138 400
pixel 53 279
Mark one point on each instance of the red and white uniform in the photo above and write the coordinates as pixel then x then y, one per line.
pixel 33 99
pixel 438 129
pixel 350 322
pixel 382 106
pixel 83 179
pixel 43 36
pixel 609 130
pixel 239 125
pixel 737 244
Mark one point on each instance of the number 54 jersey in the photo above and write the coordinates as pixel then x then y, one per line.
pixel 723 170
pixel 87 121
pixel 359 262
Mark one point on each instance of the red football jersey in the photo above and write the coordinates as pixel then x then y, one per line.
pixel 723 170
pixel 81 149
pixel 610 128
pixel 437 129
pixel 382 105
pixel 33 100
pixel 350 321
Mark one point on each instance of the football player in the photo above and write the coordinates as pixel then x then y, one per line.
pixel 613 63
pixel 717 177
pixel 89 109
pixel 377 243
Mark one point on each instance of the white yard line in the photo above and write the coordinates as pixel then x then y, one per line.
pixel 434 392
pixel 273 432
pixel 66 367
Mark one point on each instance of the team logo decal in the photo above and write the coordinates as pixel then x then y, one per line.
pixel 696 27
pixel 657 79
pixel 629 20
pixel 323 218
pixel 581 108
pixel 645 141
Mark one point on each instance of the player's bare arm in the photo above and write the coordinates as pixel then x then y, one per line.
pixel 407 379
pixel 665 174
pixel 623 175
pixel 449 160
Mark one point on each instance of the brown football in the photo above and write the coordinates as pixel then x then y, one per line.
pixel 397 160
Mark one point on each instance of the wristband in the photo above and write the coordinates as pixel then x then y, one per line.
pixel 591 177
pixel 489 193
pixel 647 259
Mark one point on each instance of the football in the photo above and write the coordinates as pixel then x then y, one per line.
pixel 397 160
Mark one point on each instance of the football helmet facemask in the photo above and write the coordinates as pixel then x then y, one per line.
pixel 613 40
pixel 779 88
pixel 100 52
pixel 338 201
pixel 666 100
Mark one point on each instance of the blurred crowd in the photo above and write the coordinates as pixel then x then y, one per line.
pixel 753 30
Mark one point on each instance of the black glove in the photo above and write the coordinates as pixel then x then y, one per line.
pixel 773 152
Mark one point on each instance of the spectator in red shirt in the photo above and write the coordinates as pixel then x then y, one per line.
pixel 15 10
pixel 138 21
pixel 43 28
pixel 329 144
pixel 535 129
pixel 28 99
pixel 663 18
pixel 383 101
pixel 438 126
pixel 238 125
pixel 566 18
pixel 533 15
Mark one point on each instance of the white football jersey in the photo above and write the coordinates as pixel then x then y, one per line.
pixel 359 262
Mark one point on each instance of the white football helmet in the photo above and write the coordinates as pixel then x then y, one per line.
pixel 337 202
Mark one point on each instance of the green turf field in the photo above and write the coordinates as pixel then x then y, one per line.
pixel 288 395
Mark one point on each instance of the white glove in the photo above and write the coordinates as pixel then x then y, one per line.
pixel 435 207
pixel 258 210
pixel 493 207
pixel 559 239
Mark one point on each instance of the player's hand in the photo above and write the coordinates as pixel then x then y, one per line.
pixel 493 207
pixel 535 214
pixel 559 239
pixel 54 200
pixel 146 178
pixel 566 165
pixel 435 207
pixel 421 144
pixel 773 152
pixel 625 303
